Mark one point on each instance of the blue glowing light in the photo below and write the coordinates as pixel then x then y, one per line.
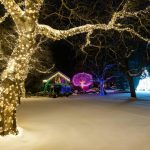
pixel 144 83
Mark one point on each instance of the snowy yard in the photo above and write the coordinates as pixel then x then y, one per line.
pixel 84 122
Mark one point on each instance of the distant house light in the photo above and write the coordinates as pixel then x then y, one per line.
pixel 57 74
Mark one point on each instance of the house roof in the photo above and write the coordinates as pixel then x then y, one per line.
pixel 56 74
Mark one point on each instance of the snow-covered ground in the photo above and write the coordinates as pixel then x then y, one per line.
pixel 86 122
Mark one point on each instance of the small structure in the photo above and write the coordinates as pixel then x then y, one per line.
pixel 58 77
pixel 57 84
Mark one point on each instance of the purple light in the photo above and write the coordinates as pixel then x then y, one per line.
pixel 82 79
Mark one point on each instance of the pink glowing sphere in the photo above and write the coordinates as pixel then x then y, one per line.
pixel 82 79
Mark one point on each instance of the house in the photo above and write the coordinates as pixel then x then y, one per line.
pixel 57 84
pixel 58 77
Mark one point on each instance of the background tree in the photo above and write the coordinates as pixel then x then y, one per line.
pixel 102 69
pixel 131 57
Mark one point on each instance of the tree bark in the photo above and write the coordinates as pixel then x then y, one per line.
pixel 101 87
pixel 131 86
pixel 9 102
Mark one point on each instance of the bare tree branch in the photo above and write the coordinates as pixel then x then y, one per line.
pixel 2 19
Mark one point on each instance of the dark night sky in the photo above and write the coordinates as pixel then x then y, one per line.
pixel 64 57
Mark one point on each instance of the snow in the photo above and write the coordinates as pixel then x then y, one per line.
pixel 85 122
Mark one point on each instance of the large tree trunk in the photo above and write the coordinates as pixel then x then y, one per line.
pixel 131 86
pixel 9 101
pixel 13 78
pixel 14 75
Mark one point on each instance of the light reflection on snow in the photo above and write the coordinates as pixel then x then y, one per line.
pixel 8 137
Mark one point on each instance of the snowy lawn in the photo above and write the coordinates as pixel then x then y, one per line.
pixel 86 122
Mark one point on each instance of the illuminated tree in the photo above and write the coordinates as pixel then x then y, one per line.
pixel 144 83
pixel 40 63
pixel 82 80
pixel 7 43
pixel 27 27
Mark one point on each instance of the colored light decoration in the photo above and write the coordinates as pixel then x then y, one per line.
pixel 144 83
pixel 82 79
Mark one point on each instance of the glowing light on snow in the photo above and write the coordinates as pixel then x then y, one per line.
pixel 82 79
pixel 11 136
pixel 144 83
